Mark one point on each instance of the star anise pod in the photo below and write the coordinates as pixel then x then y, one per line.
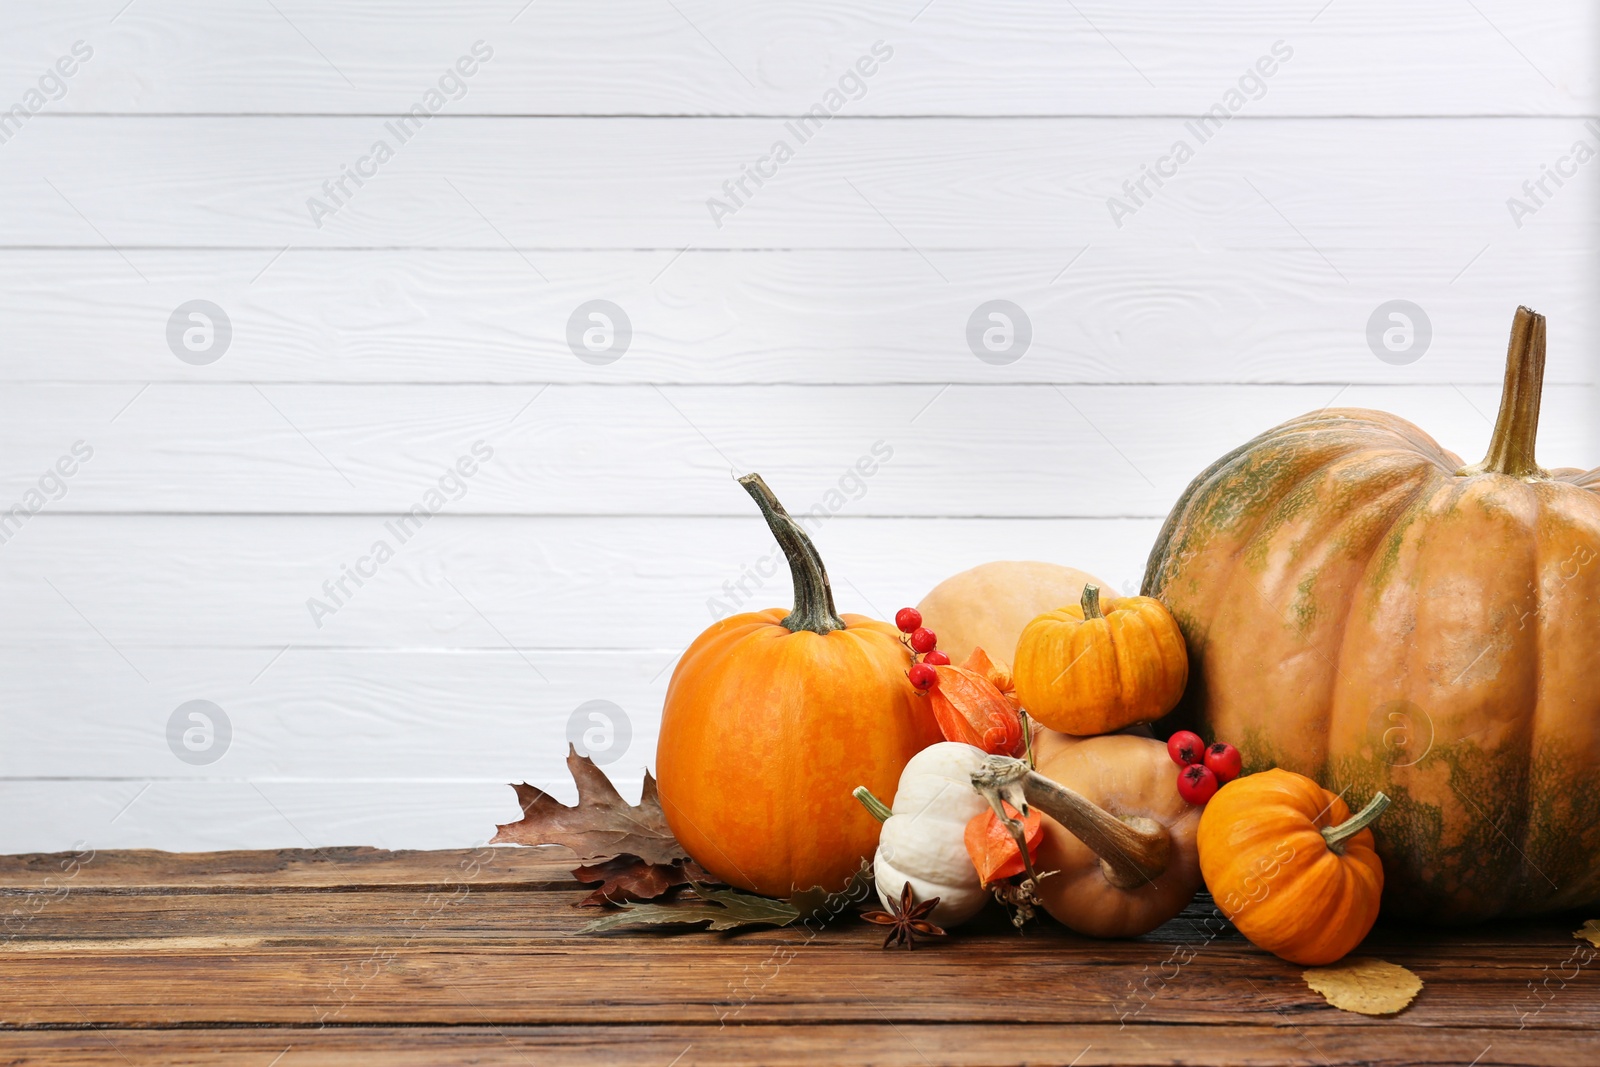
pixel 906 918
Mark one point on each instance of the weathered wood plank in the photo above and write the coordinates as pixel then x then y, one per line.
pixel 344 869
pixel 842 977
pixel 921 448
pixel 1328 188
pixel 362 956
pixel 205 811
pixel 1127 311
pixel 403 901
pixel 581 584
pixel 699 57
pixel 188 947
pixel 1379 1043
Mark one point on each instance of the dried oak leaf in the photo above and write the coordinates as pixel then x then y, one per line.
pixel 1590 932
pixel 624 878
pixel 600 826
pixel 727 909
pixel 1371 987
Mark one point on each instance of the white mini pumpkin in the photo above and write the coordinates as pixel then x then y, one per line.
pixel 923 841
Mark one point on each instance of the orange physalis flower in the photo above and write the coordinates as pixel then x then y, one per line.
pixel 975 704
pixel 994 851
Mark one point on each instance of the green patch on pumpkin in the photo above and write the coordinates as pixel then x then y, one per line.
pixel 1468 870
pixel 1303 610
pixel 1257 752
pixel 1389 555
pixel 1563 835
pixel 1297 499
pixel 1254 479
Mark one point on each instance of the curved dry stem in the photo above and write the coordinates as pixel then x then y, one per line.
pixel 1133 851
pixel 1336 836
pixel 813 596
pixel 880 811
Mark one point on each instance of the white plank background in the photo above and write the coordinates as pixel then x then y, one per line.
pixel 824 317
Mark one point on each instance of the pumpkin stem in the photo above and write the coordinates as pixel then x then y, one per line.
pixel 1091 603
pixel 1511 445
pixel 1336 836
pixel 878 808
pixel 813 597
pixel 1133 851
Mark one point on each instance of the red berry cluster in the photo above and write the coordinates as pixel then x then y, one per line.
pixel 1203 770
pixel 924 642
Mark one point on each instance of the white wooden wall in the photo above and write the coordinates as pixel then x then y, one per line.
pixel 827 315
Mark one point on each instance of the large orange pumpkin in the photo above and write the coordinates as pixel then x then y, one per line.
pixel 1363 608
pixel 772 718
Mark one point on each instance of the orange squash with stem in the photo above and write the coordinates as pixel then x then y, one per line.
pixel 1290 866
pixel 1090 669
pixel 772 718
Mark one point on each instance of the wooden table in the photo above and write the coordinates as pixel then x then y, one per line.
pixel 296 958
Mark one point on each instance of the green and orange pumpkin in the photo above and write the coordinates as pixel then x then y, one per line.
pixel 1363 608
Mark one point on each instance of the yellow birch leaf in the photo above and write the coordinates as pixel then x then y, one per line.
pixel 1371 987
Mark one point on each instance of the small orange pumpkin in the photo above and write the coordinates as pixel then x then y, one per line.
pixel 772 718
pixel 1084 671
pixel 1290 866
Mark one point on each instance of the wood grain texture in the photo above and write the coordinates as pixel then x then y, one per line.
pixel 990 450
pixel 493 897
pixel 171 877
pixel 1125 311
pixel 299 981
pixel 490 716
pixel 360 955
pixel 204 813
pixel 1350 187
pixel 899 1044
pixel 575 583
pixel 637 57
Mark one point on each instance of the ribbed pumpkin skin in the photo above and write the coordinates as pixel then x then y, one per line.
pixel 1358 611
pixel 1095 676
pixel 1271 873
pixel 764 735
